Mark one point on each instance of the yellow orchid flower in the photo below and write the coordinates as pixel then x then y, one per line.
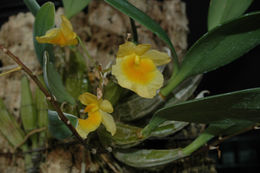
pixel 136 70
pixel 98 112
pixel 62 36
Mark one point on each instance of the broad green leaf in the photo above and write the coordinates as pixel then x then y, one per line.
pixel 235 107
pixel 28 112
pixel 219 47
pixel 44 21
pixel 127 8
pixel 221 11
pixel 57 128
pixel 148 158
pixel 72 7
pixel 53 82
pixel 9 128
pixel 32 5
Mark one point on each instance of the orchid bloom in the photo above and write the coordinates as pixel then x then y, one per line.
pixel 98 112
pixel 135 68
pixel 63 36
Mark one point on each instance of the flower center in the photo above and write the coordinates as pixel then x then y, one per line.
pixel 138 70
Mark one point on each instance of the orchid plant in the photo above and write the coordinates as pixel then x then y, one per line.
pixel 137 68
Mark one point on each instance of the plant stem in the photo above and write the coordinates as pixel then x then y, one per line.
pixel 32 5
pixel 84 48
pixel 174 81
pixel 197 143
pixel 46 93
pixel 134 31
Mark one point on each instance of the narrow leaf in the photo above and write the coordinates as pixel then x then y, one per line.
pixel 28 112
pixel 72 7
pixel 42 114
pixel 57 128
pixel 125 7
pixel 221 11
pixel 9 127
pixel 44 21
pixel 53 82
pixel 219 47
pixel 240 105
pixel 231 107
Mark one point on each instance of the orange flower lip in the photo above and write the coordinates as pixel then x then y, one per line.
pixel 138 70
pixel 98 112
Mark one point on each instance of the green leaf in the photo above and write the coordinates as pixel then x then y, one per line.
pixel 32 5
pixel 240 106
pixel 148 158
pixel 42 113
pixel 219 47
pixel 57 128
pixel 53 82
pixel 72 7
pixel 28 112
pixel 221 11
pixel 136 14
pixel 44 21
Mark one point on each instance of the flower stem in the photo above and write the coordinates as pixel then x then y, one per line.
pixel 84 49
pixel 45 91
pixel 174 81
pixel 197 143
pixel 134 31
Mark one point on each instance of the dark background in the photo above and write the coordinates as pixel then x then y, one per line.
pixel 240 153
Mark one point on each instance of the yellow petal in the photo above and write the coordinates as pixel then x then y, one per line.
pixel 106 106
pixel 149 91
pixel 108 122
pixel 126 49
pixel 159 58
pixel 65 23
pixel 52 36
pixel 88 98
pixel 90 124
pixel 142 48
pixel 62 36
pixel 129 48
pixel 67 31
